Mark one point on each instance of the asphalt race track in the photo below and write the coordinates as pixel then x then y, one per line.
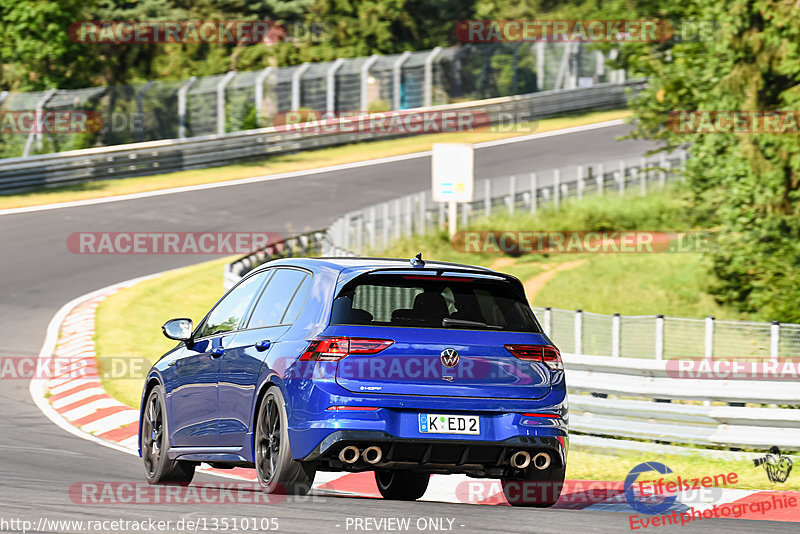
pixel 38 275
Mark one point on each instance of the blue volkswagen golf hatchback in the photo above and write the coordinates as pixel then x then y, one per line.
pixel 404 368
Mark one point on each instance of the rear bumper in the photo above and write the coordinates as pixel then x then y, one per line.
pixel 474 457
pixel 397 416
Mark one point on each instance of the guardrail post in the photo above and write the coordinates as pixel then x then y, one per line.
pixel 409 218
pixel 601 179
pixel 774 341
pixel 465 207
pixel 428 79
pixel 398 219
pixel 372 219
pixel 548 321
pixel 512 194
pixel 540 65
pixel 616 331
pixel 385 226
pixel 709 344
pixel 36 133
pixel 3 96
pixel 487 197
pixel 397 78
pixel 621 183
pixel 360 232
pixel 346 231
pixel 140 109
pixel 659 337
pixel 297 77
pixel 221 100
pixel 259 93
pixel 182 92
pixel 330 85
pixel 441 215
pixel 580 181
pixel 643 174
pixel 556 186
pixel 578 333
pixel 534 189
pixel 365 81
pixel 662 173
pixel 423 210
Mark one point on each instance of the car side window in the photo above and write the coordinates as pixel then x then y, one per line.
pixel 276 298
pixel 229 312
pixel 299 299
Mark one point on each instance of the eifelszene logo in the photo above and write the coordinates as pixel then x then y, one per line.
pixel 776 465
pixel 639 503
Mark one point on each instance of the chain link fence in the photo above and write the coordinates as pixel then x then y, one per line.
pixel 669 338
pixel 238 101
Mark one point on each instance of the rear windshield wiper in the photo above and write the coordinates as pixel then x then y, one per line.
pixel 447 321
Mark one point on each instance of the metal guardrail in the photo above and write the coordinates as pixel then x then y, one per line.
pixel 236 101
pixel 658 419
pixel 306 244
pixel 372 229
pixel 158 157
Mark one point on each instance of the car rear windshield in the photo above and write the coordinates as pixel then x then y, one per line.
pixel 425 301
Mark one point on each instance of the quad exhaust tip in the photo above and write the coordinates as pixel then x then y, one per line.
pixel 541 461
pixel 520 459
pixel 372 455
pixel 349 455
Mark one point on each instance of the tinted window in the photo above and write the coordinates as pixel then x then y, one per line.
pixel 446 302
pixel 229 312
pixel 273 303
pixel 296 306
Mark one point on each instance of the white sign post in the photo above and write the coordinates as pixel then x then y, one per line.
pixel 452 173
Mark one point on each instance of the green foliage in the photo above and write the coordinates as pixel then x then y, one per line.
pixel 749 181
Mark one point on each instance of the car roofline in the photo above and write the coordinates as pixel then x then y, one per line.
pixel 432 262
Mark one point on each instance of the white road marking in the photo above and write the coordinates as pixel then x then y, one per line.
pixel 307 172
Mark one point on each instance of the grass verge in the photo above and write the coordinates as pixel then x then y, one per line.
pixel 128 323
pixel 291 162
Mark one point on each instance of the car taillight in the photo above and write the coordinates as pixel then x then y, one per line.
pixel 546 354
pixel 331 349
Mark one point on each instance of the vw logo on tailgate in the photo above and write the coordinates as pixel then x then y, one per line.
pixel 449 357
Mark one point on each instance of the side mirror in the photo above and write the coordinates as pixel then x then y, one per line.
pixel 178 329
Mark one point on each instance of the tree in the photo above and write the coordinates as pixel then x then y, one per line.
pixel 747 183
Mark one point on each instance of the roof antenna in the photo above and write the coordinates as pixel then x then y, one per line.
pixel 416 261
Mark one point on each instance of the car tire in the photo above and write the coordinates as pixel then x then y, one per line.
pixel 158 468
pixel 534 488
pixel 277 471
pixel 402 485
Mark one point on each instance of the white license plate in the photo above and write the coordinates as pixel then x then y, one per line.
pixel 434 423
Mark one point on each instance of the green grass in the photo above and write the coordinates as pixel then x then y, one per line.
pixel 588 465
pixel 635 284
pixel 128 323
pixel 309 159
pixel 630 284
